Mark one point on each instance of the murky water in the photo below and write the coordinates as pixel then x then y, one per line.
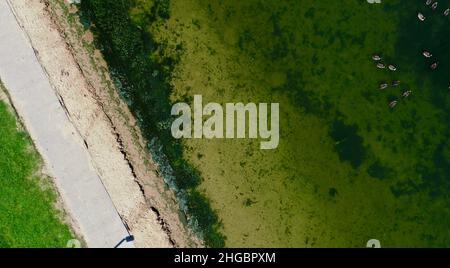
pixel 348 168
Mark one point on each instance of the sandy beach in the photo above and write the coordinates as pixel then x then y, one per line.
pixel 104 125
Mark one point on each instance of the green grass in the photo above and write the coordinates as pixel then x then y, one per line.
pixel 28 217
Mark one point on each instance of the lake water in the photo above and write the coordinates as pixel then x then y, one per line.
pixel 348 168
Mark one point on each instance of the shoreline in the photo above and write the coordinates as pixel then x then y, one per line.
pixel 143 78
pixel 108 130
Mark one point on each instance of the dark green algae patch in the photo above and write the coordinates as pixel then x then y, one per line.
pixel 348 168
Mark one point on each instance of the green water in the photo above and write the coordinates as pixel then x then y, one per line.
pixel 348 168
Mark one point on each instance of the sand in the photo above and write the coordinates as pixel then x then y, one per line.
pixel 116 148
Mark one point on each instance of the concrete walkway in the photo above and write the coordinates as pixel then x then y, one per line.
pixel 63 150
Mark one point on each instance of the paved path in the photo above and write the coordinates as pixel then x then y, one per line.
pixel 55 137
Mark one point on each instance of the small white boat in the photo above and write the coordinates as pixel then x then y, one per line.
pixel 434 5
pixel 376 57
pixel 406 93
pixel 428 2
pixel 447 12
pixel 395 83
pixel 421 16
pixel 392 104
pixel 392 67
pixel 427 54
pixel 381 66
pixel 434 65
pixel 383 86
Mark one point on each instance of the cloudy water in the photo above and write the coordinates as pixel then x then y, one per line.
pixel 348 167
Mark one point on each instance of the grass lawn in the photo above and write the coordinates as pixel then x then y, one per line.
pixel 28 217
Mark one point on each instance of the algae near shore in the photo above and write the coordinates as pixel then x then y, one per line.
pixel 348 168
